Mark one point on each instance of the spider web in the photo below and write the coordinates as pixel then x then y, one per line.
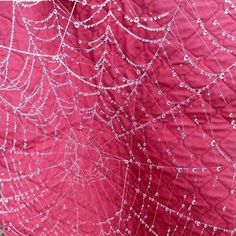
pixel 117 117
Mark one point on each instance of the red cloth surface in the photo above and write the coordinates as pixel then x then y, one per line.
pixel 118 117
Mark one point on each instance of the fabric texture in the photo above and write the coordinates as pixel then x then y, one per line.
pixel 117 117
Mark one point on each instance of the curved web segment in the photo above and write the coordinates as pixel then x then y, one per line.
pixel 117 117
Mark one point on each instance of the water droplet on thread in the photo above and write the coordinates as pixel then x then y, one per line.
pixel 76 24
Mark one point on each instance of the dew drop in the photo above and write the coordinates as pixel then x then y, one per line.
pixel 84 2
pixel 136 19
pixel 76 24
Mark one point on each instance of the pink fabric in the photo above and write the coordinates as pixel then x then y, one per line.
pixel 118 117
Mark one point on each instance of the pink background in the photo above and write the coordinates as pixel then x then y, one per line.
pixel 117 118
